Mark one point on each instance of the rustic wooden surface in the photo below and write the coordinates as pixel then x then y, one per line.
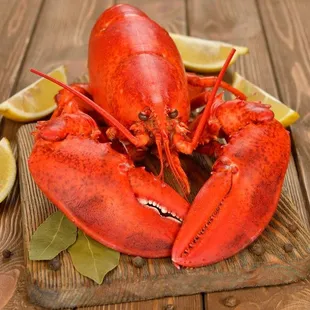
pixel 277 33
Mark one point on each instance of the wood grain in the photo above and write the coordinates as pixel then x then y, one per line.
pixel 288 297
pixel 8 284
pixel 20 302
pixel 17 21
pixel 61 38
pixel 169 14
pixel 16 26
pixel 286 25
pixel 194 302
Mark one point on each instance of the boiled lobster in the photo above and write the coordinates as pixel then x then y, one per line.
pixel 141 103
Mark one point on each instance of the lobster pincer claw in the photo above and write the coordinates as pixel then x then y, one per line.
pixel 235 205
pixel 101 191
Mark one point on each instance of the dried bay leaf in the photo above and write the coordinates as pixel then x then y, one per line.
pixel 92 259
pixel 53 236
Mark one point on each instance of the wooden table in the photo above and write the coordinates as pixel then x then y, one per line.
pixel 44 34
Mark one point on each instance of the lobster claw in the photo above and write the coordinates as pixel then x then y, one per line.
pixel 101 191
pixel 236 204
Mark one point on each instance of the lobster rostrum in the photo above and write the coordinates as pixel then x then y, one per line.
pixel 139 87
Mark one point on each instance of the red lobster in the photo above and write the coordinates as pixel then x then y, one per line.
pixel 140 90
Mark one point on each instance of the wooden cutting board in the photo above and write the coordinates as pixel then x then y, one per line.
pixel 158 277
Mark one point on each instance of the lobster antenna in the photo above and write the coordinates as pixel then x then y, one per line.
pixel 206 113
pixel 106 115
pixel 175 171
pixel 233 90
pixel 160 154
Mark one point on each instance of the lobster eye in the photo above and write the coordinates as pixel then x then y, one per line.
pixel 174 113
pixel 143 116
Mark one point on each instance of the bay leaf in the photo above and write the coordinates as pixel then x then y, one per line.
pixel 91 258
pixel 53 236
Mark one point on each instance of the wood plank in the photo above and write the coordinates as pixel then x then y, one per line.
pixel 286 25
pixel 293 297
pixel 169 14
pixel 17 22
pixel 193 302
pixel 238 22
pixel 61 37
pixel 20 302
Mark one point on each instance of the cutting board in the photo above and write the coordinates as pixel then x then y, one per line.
pixel 158 277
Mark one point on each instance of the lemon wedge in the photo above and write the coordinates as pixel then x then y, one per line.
pixel 7 168
pixel 35 101
pixel 205 55
pixel 285 115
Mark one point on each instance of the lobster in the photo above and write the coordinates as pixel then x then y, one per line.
pixel 137 100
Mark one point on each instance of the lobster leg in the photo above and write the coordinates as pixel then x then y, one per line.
pixel 209 81
pixel 213 148
pixel 64 97
pixel 237 202
pixel 199 100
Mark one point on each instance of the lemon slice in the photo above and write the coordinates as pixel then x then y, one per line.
pixel 205 55
pixel 7 168
pixel 35 101
pixel 282 113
